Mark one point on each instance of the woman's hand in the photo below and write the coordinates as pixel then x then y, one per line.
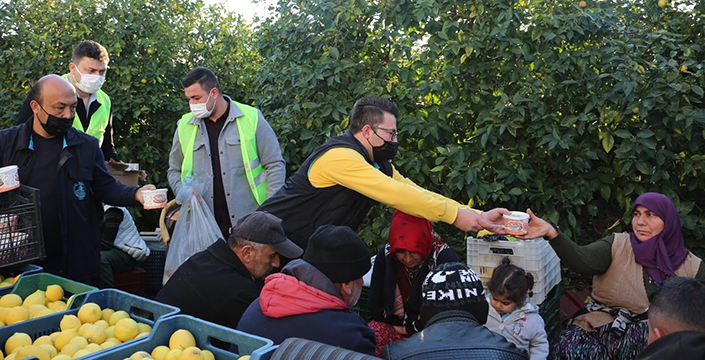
pixel 538 227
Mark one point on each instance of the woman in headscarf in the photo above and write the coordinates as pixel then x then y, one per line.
pixel 414 249
pixel 627 269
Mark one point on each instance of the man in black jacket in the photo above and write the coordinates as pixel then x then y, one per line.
pixel 67 167
pixel 676 322
pixel 219 283
pixel 454 310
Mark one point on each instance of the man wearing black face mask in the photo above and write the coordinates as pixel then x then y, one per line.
pixel 67 167
pixel 343 178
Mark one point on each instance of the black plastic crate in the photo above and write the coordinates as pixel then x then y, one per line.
pixel 21 237
pixel 154 270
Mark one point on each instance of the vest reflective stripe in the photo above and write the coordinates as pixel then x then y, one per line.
pixel 99 120
pixel 247 127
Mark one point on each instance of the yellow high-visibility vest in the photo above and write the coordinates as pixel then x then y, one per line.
pixel 247 127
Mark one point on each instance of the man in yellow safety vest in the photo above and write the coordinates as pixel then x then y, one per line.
pixel 227 146
pixel 87 69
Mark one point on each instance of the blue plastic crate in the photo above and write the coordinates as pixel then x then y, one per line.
pixel 203 331
pixel 139 308
pixel 24 269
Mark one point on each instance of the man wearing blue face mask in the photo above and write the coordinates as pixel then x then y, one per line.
pixel 67 167
pixel 94 109
pixel 227 146
pixel 342 179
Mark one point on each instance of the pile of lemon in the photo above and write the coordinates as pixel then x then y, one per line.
pixel 8 281
pixel 14 309
pixel 182 346
pixel 91 329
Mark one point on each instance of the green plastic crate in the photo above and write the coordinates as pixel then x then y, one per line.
pixel 550 311
pixel 203 331
pixel 362 307
pixel 26 285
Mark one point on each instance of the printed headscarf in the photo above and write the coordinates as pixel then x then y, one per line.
pixel 411 233
pixel 665 252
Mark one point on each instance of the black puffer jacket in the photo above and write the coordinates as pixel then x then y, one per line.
pixel 451 335
pixel 682 345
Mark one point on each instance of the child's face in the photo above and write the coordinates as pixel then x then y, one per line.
pixel 502 304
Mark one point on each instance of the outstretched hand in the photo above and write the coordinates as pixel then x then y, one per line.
pixel 538 227
pixel 138 193
pixel 469 220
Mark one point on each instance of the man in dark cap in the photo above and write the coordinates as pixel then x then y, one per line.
pixel 453 312
pixel 311 297
pixel 219 283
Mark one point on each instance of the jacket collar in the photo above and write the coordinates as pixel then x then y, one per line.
pixel 451 315
pixel 222 251
pixel 26 134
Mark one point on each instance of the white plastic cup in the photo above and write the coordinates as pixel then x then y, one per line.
pixel 154 199
pixel 516 223
pixel 9 178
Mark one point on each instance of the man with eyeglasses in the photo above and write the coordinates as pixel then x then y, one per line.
pixel 342 179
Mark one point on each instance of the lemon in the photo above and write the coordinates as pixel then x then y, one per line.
pixel 61 357
pixel 70 322
pixel 50 349
pixel 108 343
pixel 144 327
pixel 46 339
pixel 33 350
pixel 102 323
pixel 582 4
pixel 141 335
pixel 107 312
pixel 14 280
pixel 93 347
pixel 181 339
pixel 244 357
pixel 117 316
pixel 70 349
pixel 159 352
pixel 94 334
pixel 17 314
pixel 173 354
pixel 90 313
pixel 35 309
pixel 82 352
pixel 126 329
pixel 110 332
pixel 17 340
pixel 54 292
pixel 45 312
pixel 10 300
pixel 83 328
pixel 140 355
pixel 57 305
pixel 80 341
pixel 37 297
pixel 63 339
pixel 191 353
pixel 3 313
pixel 207 355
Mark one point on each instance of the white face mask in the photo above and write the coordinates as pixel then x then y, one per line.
pixel 89 84
pixel 201 111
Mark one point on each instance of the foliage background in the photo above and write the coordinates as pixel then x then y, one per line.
pixel 570 111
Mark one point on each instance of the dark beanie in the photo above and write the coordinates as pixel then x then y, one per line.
pixel 453 286
pixel 338 253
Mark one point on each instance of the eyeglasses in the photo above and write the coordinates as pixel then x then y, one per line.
pixel 392 132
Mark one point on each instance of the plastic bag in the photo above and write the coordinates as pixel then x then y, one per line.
pixel 195 230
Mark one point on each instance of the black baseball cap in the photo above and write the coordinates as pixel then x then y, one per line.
pixel 264 228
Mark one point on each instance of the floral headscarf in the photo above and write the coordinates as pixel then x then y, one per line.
pixel 412 234
pixel 665 252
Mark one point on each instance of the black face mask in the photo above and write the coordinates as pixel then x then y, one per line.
pixel 384 152
pixel 55 125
